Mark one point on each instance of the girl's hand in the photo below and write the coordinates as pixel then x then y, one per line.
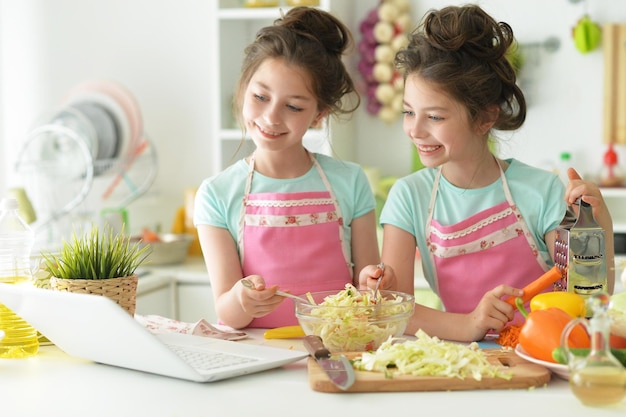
pixel 257 301
pixel 492 312
pixel 589 192
pixel 368 278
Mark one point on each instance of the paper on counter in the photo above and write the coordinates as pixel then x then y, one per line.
pixel 159 324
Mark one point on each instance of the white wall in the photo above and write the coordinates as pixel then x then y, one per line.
pixel 157 48
pixel 565 90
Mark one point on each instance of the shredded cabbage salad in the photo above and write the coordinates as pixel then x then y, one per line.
pixel 430 356
pixel 344 328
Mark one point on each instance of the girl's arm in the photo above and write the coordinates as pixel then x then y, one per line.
pixel 365 249
pixel 399 254
pixel 235 305
pixel 491 313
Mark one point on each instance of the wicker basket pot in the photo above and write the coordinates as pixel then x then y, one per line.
pixel 121 290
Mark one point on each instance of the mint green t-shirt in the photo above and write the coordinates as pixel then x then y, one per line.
pixel 537 193
pixel 219 198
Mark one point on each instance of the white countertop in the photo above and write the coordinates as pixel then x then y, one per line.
pixel 55 384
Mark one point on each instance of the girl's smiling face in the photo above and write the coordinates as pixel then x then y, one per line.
pixel 438 125
pixel 278 105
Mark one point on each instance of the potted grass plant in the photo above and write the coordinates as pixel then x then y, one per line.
pixel 98 262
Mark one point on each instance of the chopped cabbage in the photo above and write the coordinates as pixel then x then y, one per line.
pixel 430 356
pixel 347 329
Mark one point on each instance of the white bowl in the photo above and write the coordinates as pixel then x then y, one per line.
pixel 171 249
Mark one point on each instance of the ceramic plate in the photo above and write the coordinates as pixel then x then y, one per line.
pixel 125 100
pixel 562 371
pixel 124 140
pixel 104 125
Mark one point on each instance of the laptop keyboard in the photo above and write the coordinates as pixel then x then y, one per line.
pixel 205 361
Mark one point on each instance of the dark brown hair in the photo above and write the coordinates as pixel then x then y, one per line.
pixel 315 41
pixel 463 50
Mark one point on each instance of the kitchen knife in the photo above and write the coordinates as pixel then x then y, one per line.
pixel 337 367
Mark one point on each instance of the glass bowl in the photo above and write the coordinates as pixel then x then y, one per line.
pixel 350 321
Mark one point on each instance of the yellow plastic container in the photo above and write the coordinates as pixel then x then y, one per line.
pixel 303 2
pixel 261 3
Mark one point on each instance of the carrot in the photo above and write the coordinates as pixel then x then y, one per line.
pixel 540 284
pixel 509 336
pixel 148 236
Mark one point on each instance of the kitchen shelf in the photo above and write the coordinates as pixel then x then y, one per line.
pixel 250 13
pixel 615 198
pixel 613 192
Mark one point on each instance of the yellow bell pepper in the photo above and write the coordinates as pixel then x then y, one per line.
pixel 572 304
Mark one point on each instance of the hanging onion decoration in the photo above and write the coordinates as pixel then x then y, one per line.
pixel 384 32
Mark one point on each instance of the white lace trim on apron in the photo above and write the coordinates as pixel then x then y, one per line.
pixel 474 227
pixel 289 203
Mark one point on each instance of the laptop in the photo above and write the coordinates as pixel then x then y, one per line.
pixel 94 327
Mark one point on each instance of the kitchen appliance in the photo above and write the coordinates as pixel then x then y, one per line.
pixel 337 368
pixel 86 160
pixel 579 250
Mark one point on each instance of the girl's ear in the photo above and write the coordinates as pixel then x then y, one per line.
pixel 319 119
pixel 488 119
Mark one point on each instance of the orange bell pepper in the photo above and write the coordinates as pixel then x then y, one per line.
pixel 617 341
pixel 541 332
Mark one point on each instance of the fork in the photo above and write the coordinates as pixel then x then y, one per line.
pixel 248 284
pixel 380 266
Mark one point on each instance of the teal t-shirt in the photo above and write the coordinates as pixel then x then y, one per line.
pixel 219 198
pixel 537 193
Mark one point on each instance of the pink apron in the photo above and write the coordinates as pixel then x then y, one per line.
pixel 294 240
pixel 475 255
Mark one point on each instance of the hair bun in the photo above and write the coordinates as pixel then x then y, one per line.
pixel 471 30
pixel 320 27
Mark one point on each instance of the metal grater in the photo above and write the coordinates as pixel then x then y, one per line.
pixel 579 251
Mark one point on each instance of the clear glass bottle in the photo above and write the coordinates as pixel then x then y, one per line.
pixel 598 379
pixel 16 242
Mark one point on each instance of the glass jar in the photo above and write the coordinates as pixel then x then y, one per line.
pixel 597 379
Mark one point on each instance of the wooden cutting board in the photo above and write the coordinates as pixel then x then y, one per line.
pixel 614 111
pixel 525 375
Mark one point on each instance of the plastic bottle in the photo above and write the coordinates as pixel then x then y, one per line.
pixel 565 162
pixel 611 174
pixel 16 242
